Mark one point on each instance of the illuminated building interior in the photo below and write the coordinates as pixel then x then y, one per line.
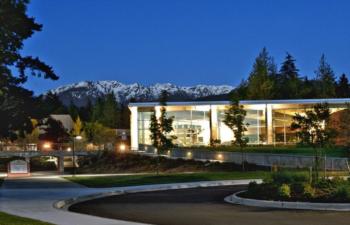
pixel 197 123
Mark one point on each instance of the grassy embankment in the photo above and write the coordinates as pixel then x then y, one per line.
pixel 292 150
pixel 131 180
pixel 7 219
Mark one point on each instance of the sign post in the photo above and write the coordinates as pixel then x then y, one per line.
pixel 18 168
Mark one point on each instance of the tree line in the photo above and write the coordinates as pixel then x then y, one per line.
pixel 265 81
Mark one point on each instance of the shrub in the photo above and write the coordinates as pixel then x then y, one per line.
pixel 308 191
pixel 342 193
pixel 252 186
pixel 288 178
pixel 284 191
pixel 297 189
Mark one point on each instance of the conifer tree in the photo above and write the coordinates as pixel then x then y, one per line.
pixel 262 78
pixel 343 88
pixel 161 128
pixel 288 82
pixel 110 112
pixel 325 80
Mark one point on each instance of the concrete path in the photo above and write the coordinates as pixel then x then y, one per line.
pixel 34 198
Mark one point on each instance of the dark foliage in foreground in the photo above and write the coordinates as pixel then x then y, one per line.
pixel 287 186
pixel 109 162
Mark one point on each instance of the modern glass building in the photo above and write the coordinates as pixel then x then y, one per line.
pixel 197 123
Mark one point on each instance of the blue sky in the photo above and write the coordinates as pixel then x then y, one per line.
pixel 185 42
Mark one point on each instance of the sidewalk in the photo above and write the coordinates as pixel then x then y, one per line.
pixel 34 198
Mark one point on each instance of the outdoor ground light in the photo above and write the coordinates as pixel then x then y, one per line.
pixel 220 156
pixel 189 154
pixel 78 137
pixel 47 145
pixel 69 149
pixel 122 147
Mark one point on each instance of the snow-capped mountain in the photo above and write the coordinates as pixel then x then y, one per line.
pixel 79 93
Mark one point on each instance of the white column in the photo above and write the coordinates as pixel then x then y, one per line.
pixel 158 111
pixel 134 132
pixel 214 122
pixel 269 124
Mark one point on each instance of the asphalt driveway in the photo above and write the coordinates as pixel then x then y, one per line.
pixel 201 206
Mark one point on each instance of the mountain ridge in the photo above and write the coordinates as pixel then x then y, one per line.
pixel 79 93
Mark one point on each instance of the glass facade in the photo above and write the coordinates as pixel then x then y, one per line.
pixel 144 121
pixel 191 126
pixel 282 120
pixel 256 131
pixel 196 125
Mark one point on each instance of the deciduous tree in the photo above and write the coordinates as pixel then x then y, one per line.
pixel 313 130
pixel 234 119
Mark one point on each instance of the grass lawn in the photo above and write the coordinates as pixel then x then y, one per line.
pixel 6 219
pixel 130 180
pixel 293 150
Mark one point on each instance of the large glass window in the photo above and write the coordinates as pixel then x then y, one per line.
pixel 144 120
pixel 256 129
pixel 191 127
pixel 282 120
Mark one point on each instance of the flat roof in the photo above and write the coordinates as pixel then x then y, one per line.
pixel 246 102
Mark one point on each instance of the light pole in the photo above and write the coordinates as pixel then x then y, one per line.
pixel 75 138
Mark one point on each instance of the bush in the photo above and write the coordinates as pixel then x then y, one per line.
pixel 342 193
pixel 297 189
pixel 308 191
pixel 252 186
pixel 288 178
pixel 284 191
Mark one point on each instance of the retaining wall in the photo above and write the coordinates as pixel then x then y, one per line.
pixel 261 159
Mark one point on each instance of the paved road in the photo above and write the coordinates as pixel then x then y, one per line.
pixel 34 197
pixel 202 206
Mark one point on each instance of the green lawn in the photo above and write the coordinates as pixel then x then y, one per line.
pixel 293 150
pixel 6 219
pixel 130 180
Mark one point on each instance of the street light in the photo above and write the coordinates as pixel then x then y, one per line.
pixel 75 138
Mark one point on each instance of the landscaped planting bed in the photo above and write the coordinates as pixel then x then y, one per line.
pixel 292 150
pixel 296 187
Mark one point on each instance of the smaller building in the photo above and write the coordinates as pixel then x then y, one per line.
pixel 197 123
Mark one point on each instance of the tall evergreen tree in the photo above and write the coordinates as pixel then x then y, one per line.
pixel 261 79
pixel 73 110
pixel 16 103
pixel 97 110
pixel 343 87
pixel 161 127
pixel 86 111
pixel 288 82
pixel 110 112
pixel 325 80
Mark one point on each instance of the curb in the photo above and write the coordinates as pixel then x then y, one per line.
pixel 234 199
pixel 65 204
